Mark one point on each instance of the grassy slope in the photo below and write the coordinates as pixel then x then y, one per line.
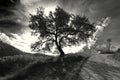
pixel 48 70
pixel 8 50
pixel 116 56
pixel 12 59
pixel 70 71
pixel 42 67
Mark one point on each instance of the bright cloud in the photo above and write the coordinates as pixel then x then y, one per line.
pixel 24 41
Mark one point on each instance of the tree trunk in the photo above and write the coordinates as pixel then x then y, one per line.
pixel 59 49
pixel 59 46
pixel 61 57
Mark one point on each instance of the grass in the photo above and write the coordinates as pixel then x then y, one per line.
pixel 17 65
pixel 12 64
pixel 48 69
pixel 115 56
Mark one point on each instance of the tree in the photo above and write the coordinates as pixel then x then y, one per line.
pixel 59 28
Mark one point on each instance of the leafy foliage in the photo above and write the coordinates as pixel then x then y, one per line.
pixel 59 28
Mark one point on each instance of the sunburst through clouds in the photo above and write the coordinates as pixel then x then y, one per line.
pixel 23 41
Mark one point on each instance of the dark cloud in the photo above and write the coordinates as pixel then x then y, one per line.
pixel 5 12
pixel 8 23
pixel 10 16
pixel 9 3
pixel 7 7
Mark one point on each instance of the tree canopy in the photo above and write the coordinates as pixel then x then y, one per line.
pixel 59 28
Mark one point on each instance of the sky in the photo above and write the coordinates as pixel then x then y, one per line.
pixel 14 15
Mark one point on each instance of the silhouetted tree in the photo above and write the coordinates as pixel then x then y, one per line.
pixel 59 28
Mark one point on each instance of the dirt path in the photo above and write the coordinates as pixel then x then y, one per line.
pixel 101 71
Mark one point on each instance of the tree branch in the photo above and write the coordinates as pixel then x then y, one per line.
pixel 50 32
pixel 47 41
pixel 66 36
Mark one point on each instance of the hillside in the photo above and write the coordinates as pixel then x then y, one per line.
pixel 8 50
pixel 116 56
pixel 17 65
pixel 12 59
pixel 93 70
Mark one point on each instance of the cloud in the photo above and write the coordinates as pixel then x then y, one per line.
pixel 12 18
pixel 7 7
pixel 32 5
pixel 95 10
pixel 8 23
pixel 13 13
